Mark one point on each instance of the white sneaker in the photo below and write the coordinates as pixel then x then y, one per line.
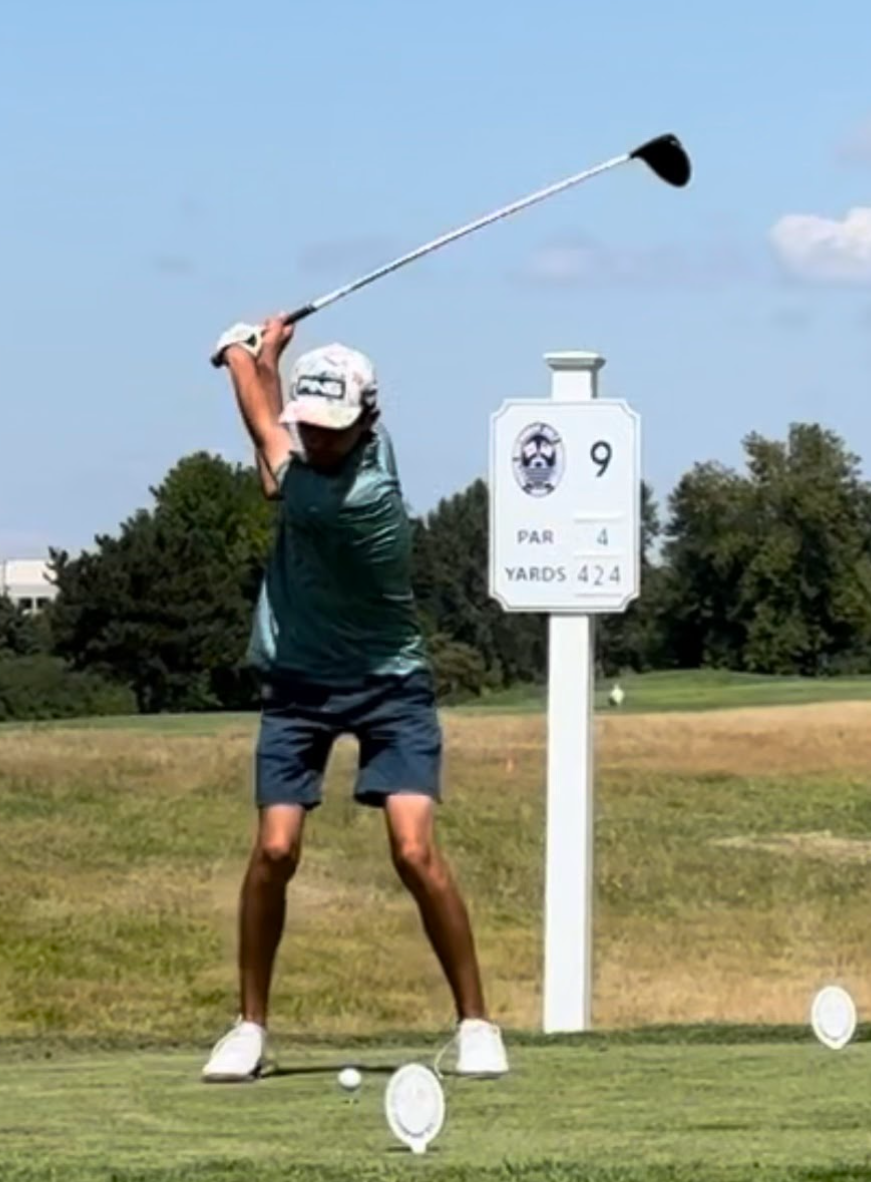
pixel 239 1056
pixel 481 1050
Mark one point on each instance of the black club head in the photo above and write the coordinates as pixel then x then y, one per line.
pixel 667 157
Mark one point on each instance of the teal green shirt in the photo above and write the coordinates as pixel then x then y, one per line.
pixel 336 603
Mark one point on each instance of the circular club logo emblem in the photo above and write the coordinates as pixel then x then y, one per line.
pixel 538 459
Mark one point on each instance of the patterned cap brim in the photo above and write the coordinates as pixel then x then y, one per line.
pixel 319 413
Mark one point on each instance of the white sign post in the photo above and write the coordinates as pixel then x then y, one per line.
pixel 564 539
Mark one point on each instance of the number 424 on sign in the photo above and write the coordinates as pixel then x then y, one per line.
pixel 597 576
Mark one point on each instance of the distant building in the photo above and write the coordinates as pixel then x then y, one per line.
pixel 27 582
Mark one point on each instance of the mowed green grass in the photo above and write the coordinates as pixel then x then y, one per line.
pixel 570 1110
pixel 693 690
pixel 681 690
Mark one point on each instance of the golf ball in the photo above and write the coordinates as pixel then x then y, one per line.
pixel 350 1079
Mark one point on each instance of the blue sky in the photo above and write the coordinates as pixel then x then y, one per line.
pixel 170 168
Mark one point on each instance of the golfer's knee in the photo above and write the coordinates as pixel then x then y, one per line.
pixel 278 857
pixel 416 860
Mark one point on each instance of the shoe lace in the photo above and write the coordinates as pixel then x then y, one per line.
pixel 222 1042
pixel 225 1038
pixel 448 1046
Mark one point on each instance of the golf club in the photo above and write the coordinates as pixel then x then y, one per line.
pixel 665 156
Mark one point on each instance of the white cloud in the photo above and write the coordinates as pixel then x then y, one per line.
pixel 575 262
pixel 565 262
pixel 824 250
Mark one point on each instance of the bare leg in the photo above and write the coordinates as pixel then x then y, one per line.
pixel 424 871
pixel 273 863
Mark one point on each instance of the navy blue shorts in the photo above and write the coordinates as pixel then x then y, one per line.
pixel 394 719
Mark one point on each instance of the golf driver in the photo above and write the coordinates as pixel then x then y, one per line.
pixel 665 155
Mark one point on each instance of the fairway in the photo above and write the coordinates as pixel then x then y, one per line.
pixel 695 690
pixel 646 693
pixel 570 1110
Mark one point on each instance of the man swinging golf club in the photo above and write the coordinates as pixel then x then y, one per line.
pixel 338 648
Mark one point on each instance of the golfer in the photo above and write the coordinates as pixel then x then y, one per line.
pixel 338 649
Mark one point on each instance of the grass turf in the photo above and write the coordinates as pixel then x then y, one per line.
pixel 732 880
pixel 692 690
pixel 680 690
pixel 731 867
pixel 569 1110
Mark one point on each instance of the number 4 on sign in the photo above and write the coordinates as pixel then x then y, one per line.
pixel 602 538
pixel 598 575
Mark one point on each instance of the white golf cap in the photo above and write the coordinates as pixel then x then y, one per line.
pixel 330 387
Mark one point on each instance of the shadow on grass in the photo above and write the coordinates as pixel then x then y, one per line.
pixel 330 1069
pixel 48 1047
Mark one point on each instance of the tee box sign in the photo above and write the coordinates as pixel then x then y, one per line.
pixel 565 487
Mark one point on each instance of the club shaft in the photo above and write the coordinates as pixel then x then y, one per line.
pixel 452 236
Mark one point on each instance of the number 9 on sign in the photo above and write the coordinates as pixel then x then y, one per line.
pixel 601 453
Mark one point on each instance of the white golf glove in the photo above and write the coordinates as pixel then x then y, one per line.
pixel 249 336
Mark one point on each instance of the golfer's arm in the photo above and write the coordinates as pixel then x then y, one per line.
pixel 267 480
pixel 271 440
pixel 271 380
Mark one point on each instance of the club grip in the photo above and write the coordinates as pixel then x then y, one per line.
pixel 217 359
pixel 300 313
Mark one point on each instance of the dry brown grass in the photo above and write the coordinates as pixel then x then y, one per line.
pixel 775 740
pixel 824 846
pixel 731 859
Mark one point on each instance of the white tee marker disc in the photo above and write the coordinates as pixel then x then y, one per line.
pixel 833 1017
pixel 414 1104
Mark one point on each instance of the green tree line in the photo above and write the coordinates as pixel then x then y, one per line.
pixel 767 570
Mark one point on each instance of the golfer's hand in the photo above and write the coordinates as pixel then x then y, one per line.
pixel 275 337
pixel 240 339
